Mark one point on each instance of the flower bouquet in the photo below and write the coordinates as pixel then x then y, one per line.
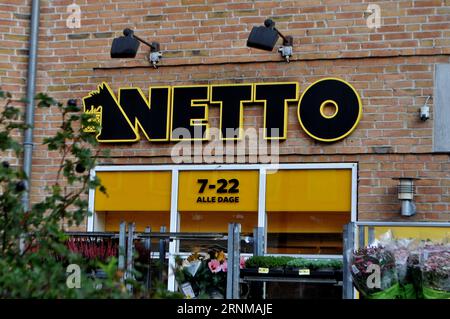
pixel 204 274
pixel 374 273
pixel 414 273
pixel 402 248
pixel 436 272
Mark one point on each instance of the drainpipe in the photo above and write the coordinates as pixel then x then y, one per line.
pixel 29 114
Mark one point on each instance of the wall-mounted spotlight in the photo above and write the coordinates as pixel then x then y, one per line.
pixel 425 111
pixel 406 195
pixel 127 46
pixel 265 37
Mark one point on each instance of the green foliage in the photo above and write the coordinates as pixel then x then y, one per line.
pixel 314 264
pixel 33 252
pixel 161 292
pixel 9 122
pixel 267 261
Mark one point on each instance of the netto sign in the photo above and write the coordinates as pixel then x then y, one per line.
pixel 169 110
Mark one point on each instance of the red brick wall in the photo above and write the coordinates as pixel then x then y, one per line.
pixel 215 31
pixel 204 42
pixel 14 30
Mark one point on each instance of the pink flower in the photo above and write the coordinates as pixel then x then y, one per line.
pixel 214 266
pixel 242 263
pixel 225 266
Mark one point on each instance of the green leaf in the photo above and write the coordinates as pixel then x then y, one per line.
pixel 44 100
pixel 11 112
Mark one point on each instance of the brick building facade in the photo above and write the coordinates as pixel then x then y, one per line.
pixel 393 68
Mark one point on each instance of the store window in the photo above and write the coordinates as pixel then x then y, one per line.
pixel 307 210
pixel 209 200
pixel 139 197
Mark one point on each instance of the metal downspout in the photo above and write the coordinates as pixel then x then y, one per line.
pixel 29 113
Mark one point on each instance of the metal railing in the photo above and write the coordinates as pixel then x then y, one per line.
pixel 127 237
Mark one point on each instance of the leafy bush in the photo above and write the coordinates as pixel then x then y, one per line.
pixel 33 245
pixel 267 261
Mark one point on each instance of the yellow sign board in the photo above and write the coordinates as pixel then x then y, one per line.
pixel 218 191
pixel 134 191
pixel 309 190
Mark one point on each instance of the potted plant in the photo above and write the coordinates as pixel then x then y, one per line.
pixel 436 272
pixel 95 251
pixel 266 265
pixel 364 264
pixel 314 267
